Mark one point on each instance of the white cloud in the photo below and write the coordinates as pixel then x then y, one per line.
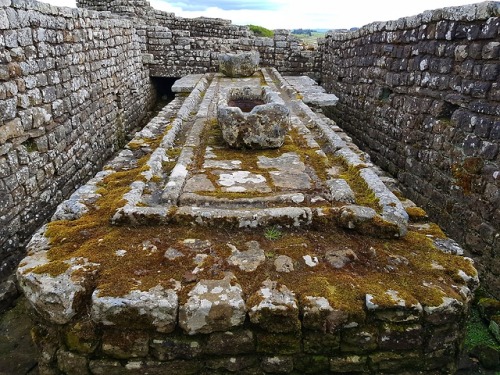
pixel 318 13
pixel 290 14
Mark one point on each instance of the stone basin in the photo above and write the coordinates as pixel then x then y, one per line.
pixel 253 117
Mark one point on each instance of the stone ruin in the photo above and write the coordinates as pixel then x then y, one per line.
pixel 253 118
pixel 187 256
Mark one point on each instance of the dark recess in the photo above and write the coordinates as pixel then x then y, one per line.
pixel 163 86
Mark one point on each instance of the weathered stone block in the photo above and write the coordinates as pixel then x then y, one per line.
pixel 317 314
pixel 156 308
pixel 400 336
pixel 395 362
pixel 241 365
pixel 277 309
pixel 278 343
pixel 213 305
pixel 125 344
pixel 176 347
pixel 231 342
pixel 70 363
pixel 277 365
pixel 348 364
pixel 359 340
pixel 311 364
pixel 134 367
pixel 321 343
pixel 242 64
pixel 57 297
pixel 82 337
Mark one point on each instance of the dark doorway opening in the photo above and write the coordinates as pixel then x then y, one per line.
pixel 163 86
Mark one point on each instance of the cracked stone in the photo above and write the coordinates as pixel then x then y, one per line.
pixel 249 260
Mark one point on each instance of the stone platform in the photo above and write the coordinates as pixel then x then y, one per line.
pixel 184 256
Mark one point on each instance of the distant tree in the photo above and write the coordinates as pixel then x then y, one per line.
pixel 261 31
pixel 303 31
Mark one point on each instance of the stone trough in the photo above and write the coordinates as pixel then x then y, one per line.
pixel 253 118
pixel 186 256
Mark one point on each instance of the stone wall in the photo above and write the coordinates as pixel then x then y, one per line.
pixel 72 84
pixel 422 95
pixel 178 52
pixel 182 46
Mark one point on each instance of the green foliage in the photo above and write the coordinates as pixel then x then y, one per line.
pixel 477 333
pixel 30 145
pixel 261 31
pixel 273 233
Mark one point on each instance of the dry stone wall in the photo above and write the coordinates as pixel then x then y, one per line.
pixel 178 51
pixel 422 95
pixel 182 46
pixel 72 84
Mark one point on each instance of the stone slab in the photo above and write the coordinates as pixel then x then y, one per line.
pixel 187 83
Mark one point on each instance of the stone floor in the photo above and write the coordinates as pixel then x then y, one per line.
pixel 299 254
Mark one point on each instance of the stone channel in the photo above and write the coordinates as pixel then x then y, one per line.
pixel 187 256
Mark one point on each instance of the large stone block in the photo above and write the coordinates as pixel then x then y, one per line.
pixel 242 64
pixel 213 305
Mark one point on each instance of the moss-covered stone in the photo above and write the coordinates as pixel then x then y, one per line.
pixel 488 307
pixel 321 343
pixel 311 364
pixel 359 340
pixel 400 336
pixel 416 214
pixel 177 347
pixel 232 364
pixel 278 343
pixel 277 364
pixel 395 362
pixel 231 343
pixel 349 364
pixel 71 363
pixel 124 344
pixel 81 337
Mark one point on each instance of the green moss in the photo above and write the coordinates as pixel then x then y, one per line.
pixel 52 268
pixel 416 213
pixel 488 307
pixel 81 337
pixel 278 343
pixel 30 145
pixel 363 194
pixel 477 333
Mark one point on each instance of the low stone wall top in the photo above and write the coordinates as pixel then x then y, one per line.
pixel 472 12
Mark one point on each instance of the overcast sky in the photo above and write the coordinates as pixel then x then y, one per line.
pixel 291 14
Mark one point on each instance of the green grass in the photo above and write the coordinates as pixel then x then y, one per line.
pixel 477 333
pixel 273 233
pixel 261 31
